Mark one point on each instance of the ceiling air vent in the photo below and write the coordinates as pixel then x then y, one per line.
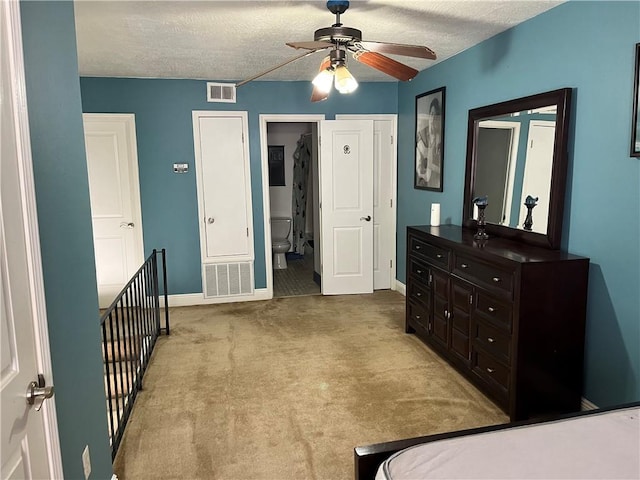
pixel 221 92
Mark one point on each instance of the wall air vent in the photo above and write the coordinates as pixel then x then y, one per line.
pixel 228 279
pixel 221 92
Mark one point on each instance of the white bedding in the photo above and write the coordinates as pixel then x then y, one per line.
pixel 600 446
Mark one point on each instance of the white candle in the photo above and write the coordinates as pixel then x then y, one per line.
pixel 435 214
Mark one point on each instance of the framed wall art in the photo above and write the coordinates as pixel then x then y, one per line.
pixel 635 120
pixel 276 165
pixel 429 157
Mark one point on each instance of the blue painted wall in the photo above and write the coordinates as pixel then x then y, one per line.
pixel 165 135
pixel 64 219
pixel 588 46
pixel 585 45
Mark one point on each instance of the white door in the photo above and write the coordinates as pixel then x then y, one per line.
pixel 384 186
pixel 537 173
pixel 29 438
pixel 112 163
pixel 346 186
pixel 224 185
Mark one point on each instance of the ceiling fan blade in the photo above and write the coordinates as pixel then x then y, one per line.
pixel 317 95
pixel 386 65
pixel 417 51
pixel 310 45
pixel 287 62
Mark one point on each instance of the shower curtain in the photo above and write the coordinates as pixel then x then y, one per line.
pixel 301 162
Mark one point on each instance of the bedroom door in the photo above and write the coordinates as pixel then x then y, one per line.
pixel 29 446
pixel 384 189
pixel 116 214
pixel 346 206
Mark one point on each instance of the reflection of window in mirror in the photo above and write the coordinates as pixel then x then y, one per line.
pixel 276 165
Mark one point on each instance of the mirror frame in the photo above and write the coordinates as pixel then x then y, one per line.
pixel 562 99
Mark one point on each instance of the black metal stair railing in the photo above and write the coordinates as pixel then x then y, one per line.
pixel 130 327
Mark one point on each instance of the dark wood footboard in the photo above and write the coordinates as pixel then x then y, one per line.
pixel 368 458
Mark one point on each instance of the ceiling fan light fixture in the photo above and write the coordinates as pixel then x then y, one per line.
pixel 324 80
pixel 344 81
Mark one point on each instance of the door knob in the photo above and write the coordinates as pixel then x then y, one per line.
pixel 210 220
pixel 127 225
pixel 38 392
pixel 367 218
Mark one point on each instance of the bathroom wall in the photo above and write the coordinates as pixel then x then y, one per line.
pixel 286 134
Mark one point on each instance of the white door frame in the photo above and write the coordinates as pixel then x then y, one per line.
pixel 394 181
pixel 23 144
pixel 513 157
pixel 266 199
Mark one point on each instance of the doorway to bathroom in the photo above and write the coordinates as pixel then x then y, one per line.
pixel 292 203
pixel 384 198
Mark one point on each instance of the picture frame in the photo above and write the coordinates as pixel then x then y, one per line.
pixel 429 140
pixel 276 165
pixel 635 119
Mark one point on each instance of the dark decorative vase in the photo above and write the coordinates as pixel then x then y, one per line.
pixel 529 202
pixel 481 234
pixel 481 203
pixel 528 222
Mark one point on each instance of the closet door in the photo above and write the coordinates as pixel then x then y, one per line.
pixel 224 192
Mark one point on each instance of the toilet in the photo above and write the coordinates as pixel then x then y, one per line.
pixel 280 244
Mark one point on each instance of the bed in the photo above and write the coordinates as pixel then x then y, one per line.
pixel 602 443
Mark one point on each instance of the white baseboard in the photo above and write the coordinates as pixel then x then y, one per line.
pixel 401 287
pixel 587 405
pixel 190 299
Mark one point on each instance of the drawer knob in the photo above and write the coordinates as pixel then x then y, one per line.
pixel 417 247
pixel 439 255
pixel 419 272
pixel 490 370
pixel 496 279
pixel 464 265
pixel 418 294
pixel 491 309
pixel 490 340
pixel 418 317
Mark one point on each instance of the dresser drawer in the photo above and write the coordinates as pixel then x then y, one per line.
pixel 418 292
pixel 493 341
pixel 497 279
pixel 436 255
pixel 419 271
pixel 491 371
pixel 419 314
pixel 497 312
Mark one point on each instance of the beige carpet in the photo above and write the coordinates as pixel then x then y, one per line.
pixel 286 388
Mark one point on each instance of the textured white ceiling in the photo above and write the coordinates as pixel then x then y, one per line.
pixel 234 40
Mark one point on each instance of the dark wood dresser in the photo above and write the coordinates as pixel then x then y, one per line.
pixel 509 316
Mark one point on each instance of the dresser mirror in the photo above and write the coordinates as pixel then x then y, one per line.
pixel 517 157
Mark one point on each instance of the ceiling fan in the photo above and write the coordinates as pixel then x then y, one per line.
pixel 339 40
